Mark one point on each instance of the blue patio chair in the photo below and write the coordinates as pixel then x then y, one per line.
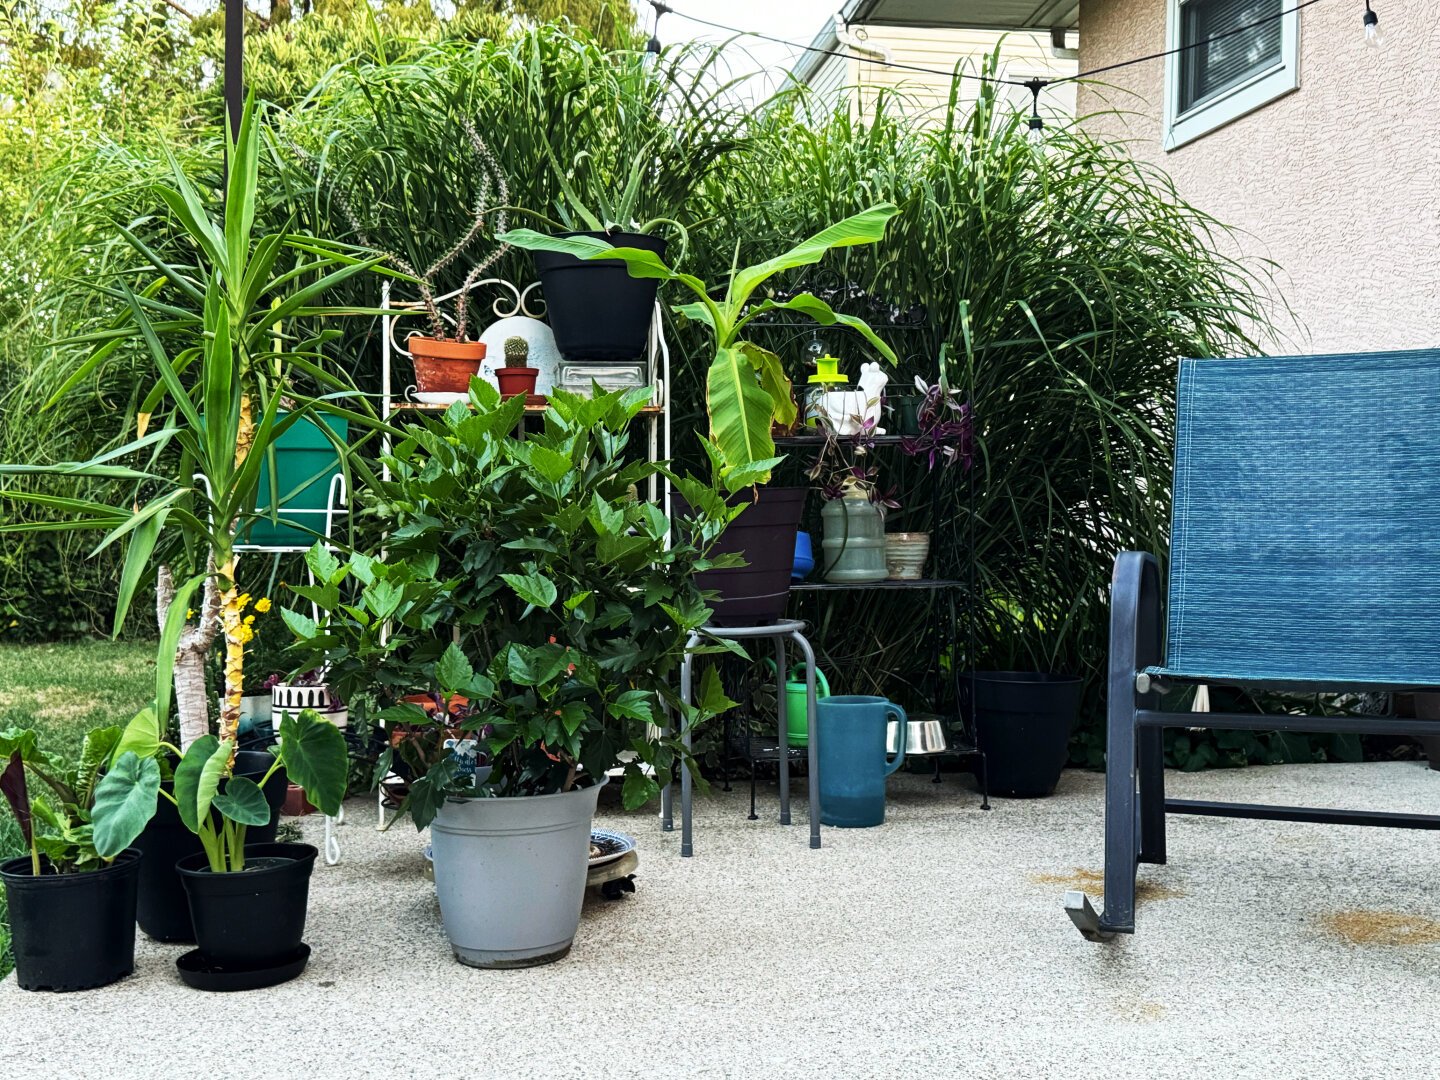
pixel 1304 555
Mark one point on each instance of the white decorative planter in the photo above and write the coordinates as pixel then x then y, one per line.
pixel 292 698
pixel 510 875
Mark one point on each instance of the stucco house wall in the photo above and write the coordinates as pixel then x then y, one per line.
pixel 1337 182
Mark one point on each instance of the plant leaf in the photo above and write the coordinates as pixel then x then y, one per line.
pixel 12 786
pixel 124 801
pixel 95 751
pixel 243 802
pixel 532 588
pixel 315 757
pixel 187 779
pixel 141 737
pixel 741 411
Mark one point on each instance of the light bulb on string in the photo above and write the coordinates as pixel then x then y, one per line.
pixel 652 47
pixel 1373 38
pixel 1036 125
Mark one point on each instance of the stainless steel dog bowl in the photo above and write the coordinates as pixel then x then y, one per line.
pixel 924 736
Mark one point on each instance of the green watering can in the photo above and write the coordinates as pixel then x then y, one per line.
pixel 797 730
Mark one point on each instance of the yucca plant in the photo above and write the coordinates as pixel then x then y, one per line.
pixel 209 420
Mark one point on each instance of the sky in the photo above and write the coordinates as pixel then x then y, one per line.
pixel 795 20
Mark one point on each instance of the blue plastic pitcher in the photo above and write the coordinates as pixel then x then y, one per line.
pixel 850 732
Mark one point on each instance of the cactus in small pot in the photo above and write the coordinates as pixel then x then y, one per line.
pixel 517 352
pixel 517 376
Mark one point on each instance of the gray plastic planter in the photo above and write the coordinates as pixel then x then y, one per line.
pixel 510 874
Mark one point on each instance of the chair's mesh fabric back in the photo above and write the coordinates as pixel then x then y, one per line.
pixel 1305 543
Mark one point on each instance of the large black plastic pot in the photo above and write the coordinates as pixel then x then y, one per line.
pixel 1023 721
pixel 256 916
pixel 162 910
pixel 756 594
pixel 596 309
pixel 72 931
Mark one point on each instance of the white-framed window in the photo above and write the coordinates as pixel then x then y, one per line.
pixel 1211 84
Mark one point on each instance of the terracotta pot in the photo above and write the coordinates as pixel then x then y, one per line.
pixel 445 367
pixel 296 804
pixel 515 381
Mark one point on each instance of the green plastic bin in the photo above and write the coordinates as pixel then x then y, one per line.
pixel 304 455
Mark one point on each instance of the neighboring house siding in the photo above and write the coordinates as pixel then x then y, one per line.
pixel 828 82
pixel 1023 56
pixel 1338 183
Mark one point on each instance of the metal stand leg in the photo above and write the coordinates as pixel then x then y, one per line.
pixel 725 734
pixel 784 744
pixel 687 685
pixel 332 842
pixel 984 783
pixel 936 778
pixel 812 730
pixel 667 792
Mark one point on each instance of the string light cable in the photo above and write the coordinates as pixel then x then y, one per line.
pixel 1035 86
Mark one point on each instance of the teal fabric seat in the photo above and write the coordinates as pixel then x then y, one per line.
pixel 1305 540
pixel 1304 555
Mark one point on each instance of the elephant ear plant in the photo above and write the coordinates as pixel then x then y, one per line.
pixel 71 897
pixel 746 388
pixel 78 816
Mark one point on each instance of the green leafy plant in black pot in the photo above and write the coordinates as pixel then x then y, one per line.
pixel 543 608
pixel 72 897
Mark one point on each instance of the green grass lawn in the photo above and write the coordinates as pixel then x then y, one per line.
pixel 63 691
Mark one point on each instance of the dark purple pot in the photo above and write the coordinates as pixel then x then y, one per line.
pixel 756 594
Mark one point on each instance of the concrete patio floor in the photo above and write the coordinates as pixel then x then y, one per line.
pixel 933 946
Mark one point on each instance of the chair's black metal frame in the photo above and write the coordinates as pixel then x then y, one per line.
pixel 1135 802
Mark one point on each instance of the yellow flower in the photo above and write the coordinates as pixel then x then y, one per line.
pixel 262 605
pixel 249 620
pixel 189 613
pixel 241 601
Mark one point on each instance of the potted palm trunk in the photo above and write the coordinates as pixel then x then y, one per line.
pixel 747 394
pixel 550 669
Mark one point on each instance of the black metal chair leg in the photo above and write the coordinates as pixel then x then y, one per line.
pixel 1134 638
pixel 1152 795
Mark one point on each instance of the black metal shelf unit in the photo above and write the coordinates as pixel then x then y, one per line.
pixel 921 661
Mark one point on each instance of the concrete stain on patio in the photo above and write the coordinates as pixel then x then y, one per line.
pixel 1093 882
pixel 1381 928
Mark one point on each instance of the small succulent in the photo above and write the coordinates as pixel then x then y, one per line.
pixel 517 352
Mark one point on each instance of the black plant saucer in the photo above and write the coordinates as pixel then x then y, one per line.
pixel 204 974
